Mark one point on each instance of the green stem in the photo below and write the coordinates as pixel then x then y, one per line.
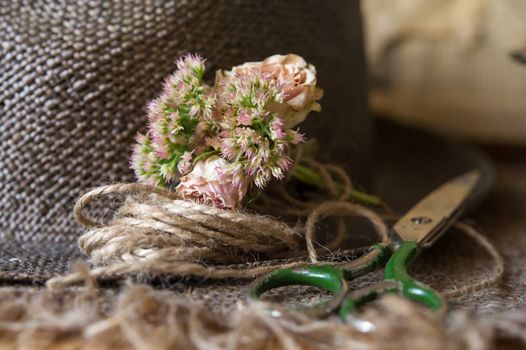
pixel 308 176
pixel 205 155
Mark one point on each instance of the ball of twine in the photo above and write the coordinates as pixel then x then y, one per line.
pixel 154 224
pixel 156 232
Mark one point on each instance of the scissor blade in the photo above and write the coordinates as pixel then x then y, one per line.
pixel 435 212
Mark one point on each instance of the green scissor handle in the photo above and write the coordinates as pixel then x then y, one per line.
pixel 325 277
pixel 396 270
pixel 330 278
pixel 334 280
pixel 396 280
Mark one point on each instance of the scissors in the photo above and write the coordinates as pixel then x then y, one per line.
pixel 419 228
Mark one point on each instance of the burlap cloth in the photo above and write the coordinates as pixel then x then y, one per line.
pixel 75 77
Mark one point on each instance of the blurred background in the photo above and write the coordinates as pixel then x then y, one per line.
pixel 453 66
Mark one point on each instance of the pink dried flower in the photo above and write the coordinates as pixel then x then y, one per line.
pixel 252 135
pixel 214 182
pixel 276 128
pixel 143 161
pixel 185 163
pixel 244 118
pixel 154 110
pixel 168 172
pixel 284 163
pixel 176 128
pixel 297 84
pixel 294 137
pixel 262 177
pixel 227 148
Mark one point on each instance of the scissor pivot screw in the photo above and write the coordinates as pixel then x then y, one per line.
pixel 421 220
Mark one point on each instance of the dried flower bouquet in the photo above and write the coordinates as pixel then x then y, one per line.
pixel 212 143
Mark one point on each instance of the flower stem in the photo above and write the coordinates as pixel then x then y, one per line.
pixel 308 176
pixel 204 155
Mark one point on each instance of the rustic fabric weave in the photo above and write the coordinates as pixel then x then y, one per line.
pixel 75 77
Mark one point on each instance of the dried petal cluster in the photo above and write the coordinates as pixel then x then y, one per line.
pixel 214 142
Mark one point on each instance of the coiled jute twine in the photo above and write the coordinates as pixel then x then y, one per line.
pixel 157 233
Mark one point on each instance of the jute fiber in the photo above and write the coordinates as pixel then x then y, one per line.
pixel 143 318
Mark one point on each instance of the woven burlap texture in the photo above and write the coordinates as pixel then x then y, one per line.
pixel 142 318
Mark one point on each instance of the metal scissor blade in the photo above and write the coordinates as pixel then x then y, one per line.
pixel 434 213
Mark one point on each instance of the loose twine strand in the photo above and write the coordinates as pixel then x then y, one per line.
pixel 155 232
pixel 498 263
